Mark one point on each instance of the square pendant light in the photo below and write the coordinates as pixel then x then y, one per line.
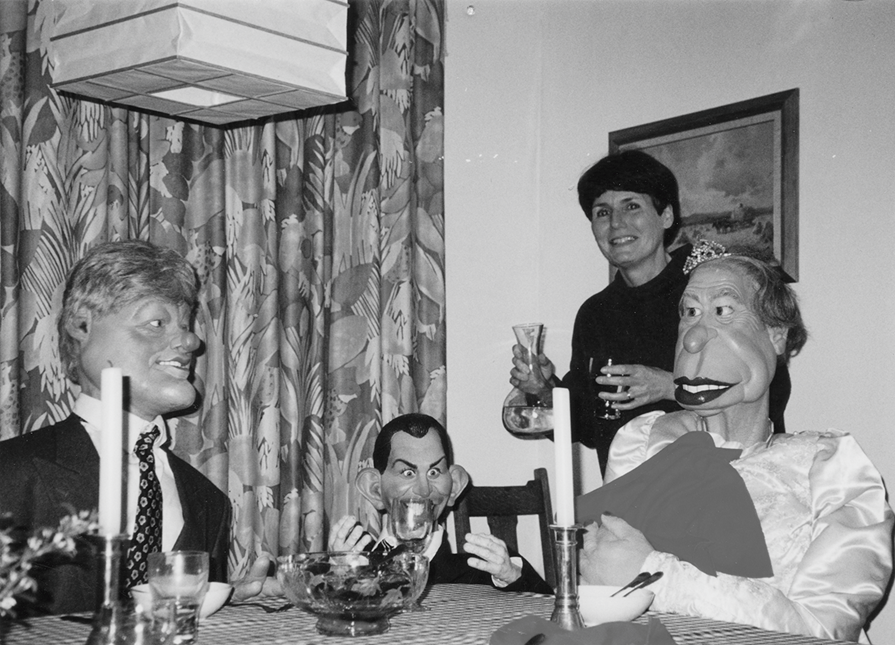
pixel 215 61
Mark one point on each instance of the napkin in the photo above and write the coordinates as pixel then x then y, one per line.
pixel 521 630
pixel 689 501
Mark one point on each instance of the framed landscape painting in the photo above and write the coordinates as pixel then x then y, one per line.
pixel 738 170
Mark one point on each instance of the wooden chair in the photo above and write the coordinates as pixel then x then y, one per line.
pixel 502 506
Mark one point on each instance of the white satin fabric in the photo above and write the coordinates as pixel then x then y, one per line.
pixel 822 506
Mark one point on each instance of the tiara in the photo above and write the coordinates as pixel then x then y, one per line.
pixel 702 251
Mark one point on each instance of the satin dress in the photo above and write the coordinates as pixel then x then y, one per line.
pixel 823 510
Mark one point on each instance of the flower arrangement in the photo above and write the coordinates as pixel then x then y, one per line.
pixel 20 549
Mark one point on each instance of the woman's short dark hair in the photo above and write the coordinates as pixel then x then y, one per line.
pixel 416 425
pixel 773 300
pixel 115 274
pixel 637 172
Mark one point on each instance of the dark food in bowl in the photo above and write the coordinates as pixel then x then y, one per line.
pixel 347 585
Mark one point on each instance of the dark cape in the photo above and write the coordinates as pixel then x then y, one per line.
pixel 689 501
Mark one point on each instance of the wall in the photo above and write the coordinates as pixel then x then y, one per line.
pixel 533 88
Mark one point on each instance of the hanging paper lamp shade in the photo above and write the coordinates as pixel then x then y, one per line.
pixel 216 61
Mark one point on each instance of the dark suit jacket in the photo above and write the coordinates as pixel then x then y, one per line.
pixel 450 567
pixel 52 472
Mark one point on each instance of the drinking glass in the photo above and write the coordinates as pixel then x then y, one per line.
pixel 120 624
pixel 178 581
pixel 411 522
pixel 604 409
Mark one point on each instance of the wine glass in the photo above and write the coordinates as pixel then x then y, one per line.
pixel 604 411
pixel 411 522
pixel 417 565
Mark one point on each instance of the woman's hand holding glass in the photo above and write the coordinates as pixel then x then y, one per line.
pixel 530 376
pixel 631 386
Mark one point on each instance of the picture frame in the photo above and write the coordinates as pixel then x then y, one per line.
pixel 738 171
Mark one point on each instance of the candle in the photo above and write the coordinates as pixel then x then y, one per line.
pixel 110 457
pixel 562 446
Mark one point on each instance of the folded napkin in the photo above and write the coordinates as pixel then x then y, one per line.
pixel 689 501
pixel 521 630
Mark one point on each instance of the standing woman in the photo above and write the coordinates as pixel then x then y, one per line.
pixel 633 204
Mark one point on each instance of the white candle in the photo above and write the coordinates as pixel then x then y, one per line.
pixel 110 457
pixel 562 446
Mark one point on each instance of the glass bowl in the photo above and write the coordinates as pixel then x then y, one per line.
pixel 351 593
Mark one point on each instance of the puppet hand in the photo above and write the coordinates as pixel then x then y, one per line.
pixel 492 556
pixel 613 553
pixel 348 535
pixel 256 582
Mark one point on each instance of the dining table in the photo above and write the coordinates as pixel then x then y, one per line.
pixel 457 615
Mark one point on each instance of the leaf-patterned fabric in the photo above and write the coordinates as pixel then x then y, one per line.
pixel 318 238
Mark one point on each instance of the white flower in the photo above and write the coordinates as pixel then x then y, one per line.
pixel 19 549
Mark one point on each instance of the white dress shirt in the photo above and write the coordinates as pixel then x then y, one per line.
pixel 90 410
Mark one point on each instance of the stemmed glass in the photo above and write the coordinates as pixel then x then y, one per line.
pixel 417 565
pixel 606 411
pixel 411 523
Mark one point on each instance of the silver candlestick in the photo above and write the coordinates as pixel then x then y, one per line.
pixel 565 557
pixel 111 617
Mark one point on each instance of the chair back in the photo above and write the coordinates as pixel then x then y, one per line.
pixel 502 506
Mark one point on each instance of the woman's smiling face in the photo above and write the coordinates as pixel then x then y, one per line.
pixel 151 341
pixel 628 229
pixel 725 354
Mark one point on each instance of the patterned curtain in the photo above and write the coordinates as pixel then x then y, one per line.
pixel 319 242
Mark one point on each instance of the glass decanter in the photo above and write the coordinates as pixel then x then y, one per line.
pixel 526 415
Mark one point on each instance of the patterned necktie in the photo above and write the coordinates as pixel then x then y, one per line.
pixel 147 537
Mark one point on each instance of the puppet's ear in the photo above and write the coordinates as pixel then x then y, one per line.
pixel 778 338
pixel 461 479
pixel 369 483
